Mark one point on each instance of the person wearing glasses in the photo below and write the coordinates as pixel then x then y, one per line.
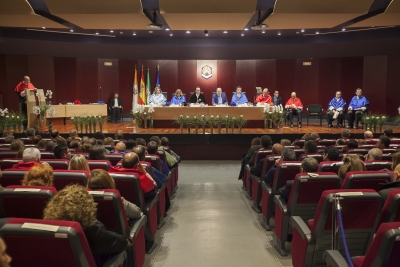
pixel 62 152
pixel 335 110
pixel 276 99
pixel 238 98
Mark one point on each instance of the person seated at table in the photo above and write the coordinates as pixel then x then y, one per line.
pixel 219 98
pixel 178 98
pixel 264 97
pixel 239 98
pixel 335 110
pixel 357 107
pixel 157 98
pixel 294 107
pixel 197 97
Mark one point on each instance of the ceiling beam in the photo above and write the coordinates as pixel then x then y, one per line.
pixel 264 9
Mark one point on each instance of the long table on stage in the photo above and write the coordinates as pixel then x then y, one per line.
pixel 68 111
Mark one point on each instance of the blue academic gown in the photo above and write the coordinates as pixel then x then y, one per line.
pixel 215 99
pixel 358 103
pixel 158 99
pixel 337 105
pixel 177 100
pixel 238 100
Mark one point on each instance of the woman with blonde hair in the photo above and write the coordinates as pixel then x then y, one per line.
pixel 351 163
pixel 178 98
pixel 74 203
pixel 157 98
pixel 39 175
pixel 100 179
pixel 79 162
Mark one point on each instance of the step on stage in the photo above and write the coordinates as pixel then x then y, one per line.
pixel 216 146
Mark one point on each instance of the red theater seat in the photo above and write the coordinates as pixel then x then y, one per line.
pixel 99 164
pixel 12 177
pixel 113 158
pixel 376 165
pixel 330 166
pixel 391 209
pixel 318 157
pixel 8 163
pixel 365 180
pixel 57 164
pixel 62 178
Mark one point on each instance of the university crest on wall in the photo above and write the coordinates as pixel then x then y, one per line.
pixel 206 72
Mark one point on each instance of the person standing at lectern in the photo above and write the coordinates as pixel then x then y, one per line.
pixel 20 90
pixel 116 107
pixel 264 97
pixel 219 98
pixel 197 97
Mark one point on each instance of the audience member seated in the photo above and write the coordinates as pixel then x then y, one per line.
pixel 159 177
pixel 41 144
pixel 255 145
pixel 266 143
pixel 30 158
pixel 130 161
pixel 98 135
pixel 315 136
pixel 130 144
pixel 352 143
pixel 61 141
pixel 387 188
pixel 79 162
pixel 264 97
pixel 8 139
pixel 5 259
pixel 108 141
pixel 119 135
pixel 54 134
pixel 368 135
pixel 92 141
pixel 388 132
pixel 257 170
pixel 152 148
pixel 100 179
pixel 286 142
pixel 331 153
pixel 97 152
pixel 294 106
pixel 75 144
pixel 361 142
pixel 85 139
pixel 165 143
pixel 119 148
pixel 345 134
pixel 310 147
pixel 86 147
pixel 306 137
pixel 39 175
pixel 17 145
pixel 341 142
pixel 309 165
pixel 374 154
pixel 140 141
pixel 351 163
pixel 171 160
pixel 62 152
pixel 74 203
pixel 49 146
pixel 30 133
pixel 73 134
pixel 288 154
pixel 36 139
pixel 383 142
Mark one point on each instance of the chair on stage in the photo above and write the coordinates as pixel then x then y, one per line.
pixel 311 239
pixel 315 110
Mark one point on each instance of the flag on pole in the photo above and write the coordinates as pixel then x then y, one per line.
pixel 158 76
pixel 135 91
pixel 148 86
pixel 142 93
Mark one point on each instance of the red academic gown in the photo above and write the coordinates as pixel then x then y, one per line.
pixel 25 165
pixel 262 99
pixel 146 183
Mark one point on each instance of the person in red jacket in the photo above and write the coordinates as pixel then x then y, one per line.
pixel 294 107
pixel 130 162
pixel 30 158
pixel 264 98
pixel 20 90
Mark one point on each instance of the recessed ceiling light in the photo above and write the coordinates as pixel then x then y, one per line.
pixel 302 30
pixel 242 34
pixel 343 29
pixel 171 34
pixel 121 32
pixel 71 30
pixel 134 33
pixel 225 32
pixel 372 26
pixel 150 31
pixel 317 33
pixel 263 32
pixel 43 28
pixel 187 31
pixel 297 32
pixel 111 31
pixel 167 29
pixel 279 33
pixel 246 29
pixel 97 33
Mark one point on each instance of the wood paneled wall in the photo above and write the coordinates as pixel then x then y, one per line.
pixel 80 78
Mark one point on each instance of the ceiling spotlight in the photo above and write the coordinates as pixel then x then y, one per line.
pixel 167 29
pixel 43 28
pixel 242 34
pixel 317 33
pixel 302 30
pixel 121 32
pixel 263 32
pixel 206 32
pixel 225 32
pixel 111 31
pixel 187 31
pixel 343 29
pixel 134 34
pixel 97 33
pixel 246 29
pixel 297 32
pixel 279 33
pixel 171 34
pixel 372 26
pixel 71 30
pixel 150 31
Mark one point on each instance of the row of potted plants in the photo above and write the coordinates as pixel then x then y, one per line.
pixel 218 121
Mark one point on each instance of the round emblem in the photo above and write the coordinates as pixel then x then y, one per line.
pixel 206 72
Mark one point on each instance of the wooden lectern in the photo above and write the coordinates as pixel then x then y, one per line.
pixel 31 101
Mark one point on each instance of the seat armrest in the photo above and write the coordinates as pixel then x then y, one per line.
pixel 257 178
pixel 150 204
pixel 116 260
pixel 334 259
pixel 301 227
pixel 281 203
pixel 266 186
pixel 137 225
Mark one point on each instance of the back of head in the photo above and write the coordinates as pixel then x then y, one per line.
pixel 130 160
pixel 351 163
pixel 388 132
pixel 119 135
pixel 79 162
pixel 385 141
pixel 120 147
pixel 368 134
pixel 375 154
pixel 306 137
pixel 85 139
pixel 332 153
pixel 54 134
pixel 156 139
pixel 61 141
pixel 30 132
pixel 256 141
pixel 140 141
pixel 92 141
pixel 286 142
pixel 130 144
pixel 100 179
pixel 73 133
pixel 8 139
pixel 73 203
pixel 352 143
pixel 98 136
pixel 361 142
pixel 60 150
pixel 341 142
pixel 277 148
pixel 395 159
pixel 36 139
pixel 309 165
pixel 74 144
pixel 288 154
pixel 315 136
pixel 31 154
pixel 346 133
pixel 16 144
pixel 310 146
pixel 266 141
pixel 41 143
pixel 108 141
pixel 50 145
pixel 86 147
pixel 97 152
pixel 140 151
pixel 152 147
pixel 164 141
pixel 39 175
